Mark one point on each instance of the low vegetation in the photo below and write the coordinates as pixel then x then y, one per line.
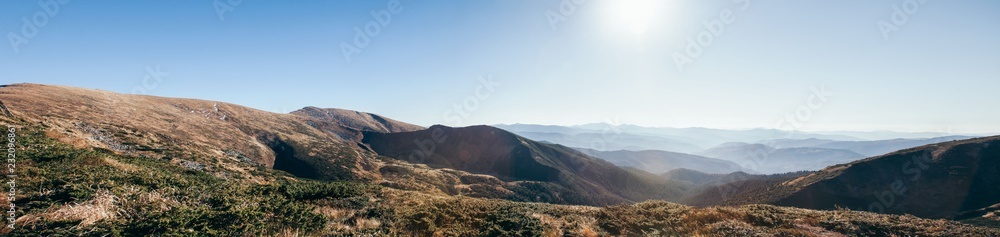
pixel 70 191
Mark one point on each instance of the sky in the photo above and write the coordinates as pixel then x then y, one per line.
pixel 860 65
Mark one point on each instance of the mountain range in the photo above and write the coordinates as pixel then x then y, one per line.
pixel 101 162
pixel 652 138
pixel 755 150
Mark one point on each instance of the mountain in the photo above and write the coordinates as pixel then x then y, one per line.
pixel 867 148
pixel 791 143
pixel 188 130
pixel 768 160
pixel 933 181
pixel 709 137
pixel 96 163
pixel 573 177
pixel 519 128
pixel 606 141
pixel 658 162
pixel 942 180
pixel 888 135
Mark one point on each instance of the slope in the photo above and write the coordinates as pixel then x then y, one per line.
pixel 226 138
pixel 940 180
pixel 933 181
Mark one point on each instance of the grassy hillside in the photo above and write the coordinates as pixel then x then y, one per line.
pixel 93 191
pixel 935 181
pixel 221 134
pixel 952 180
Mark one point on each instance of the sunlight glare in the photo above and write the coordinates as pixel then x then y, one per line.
pixel 635 15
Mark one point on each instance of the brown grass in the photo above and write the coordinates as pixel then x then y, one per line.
pixel 122 166
pixel 104 206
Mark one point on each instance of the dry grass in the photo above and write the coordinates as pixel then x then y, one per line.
pixel 122 166
pixel 104 206
pixel 157 199
pixel 289 232
pixel 366 223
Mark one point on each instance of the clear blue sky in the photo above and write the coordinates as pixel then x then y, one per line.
pixel 605 60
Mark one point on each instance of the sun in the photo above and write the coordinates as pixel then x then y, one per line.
pixel 636 16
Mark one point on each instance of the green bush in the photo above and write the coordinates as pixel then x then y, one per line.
pixel 509 221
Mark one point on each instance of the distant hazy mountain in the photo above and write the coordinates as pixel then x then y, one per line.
pixel 599 138
pixel 606 142
pixel 867 148
pixel 658 162
pixel 709 137
pixel 789 143
pixel 887 135
pixel 678 139
pixel 768 160
pixel 518 128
